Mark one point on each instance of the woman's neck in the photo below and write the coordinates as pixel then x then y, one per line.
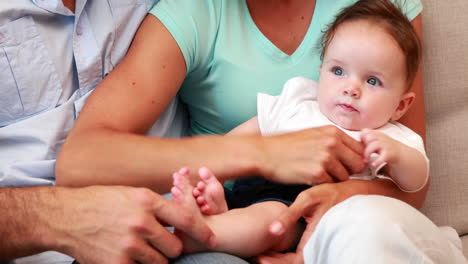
pixel 70 4
pixel 283 22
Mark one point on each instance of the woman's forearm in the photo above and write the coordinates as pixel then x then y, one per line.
pixel 102 156
pixel 382 187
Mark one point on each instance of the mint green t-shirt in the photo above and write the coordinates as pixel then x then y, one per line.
pixel 229 60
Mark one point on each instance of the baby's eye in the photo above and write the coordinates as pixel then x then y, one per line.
pixel 337 71
pixel 373 81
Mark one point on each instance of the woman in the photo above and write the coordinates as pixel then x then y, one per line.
pixel 217 54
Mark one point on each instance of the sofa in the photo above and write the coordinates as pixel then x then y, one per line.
pixel 445 75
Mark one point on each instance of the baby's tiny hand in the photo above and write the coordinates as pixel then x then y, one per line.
pixel 377 142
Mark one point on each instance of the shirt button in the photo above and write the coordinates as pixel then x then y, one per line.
pixel 79 30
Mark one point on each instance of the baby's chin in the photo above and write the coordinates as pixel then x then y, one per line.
pixel 346 124
pixel 350 127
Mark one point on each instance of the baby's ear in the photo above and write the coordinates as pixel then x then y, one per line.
pixel 405 102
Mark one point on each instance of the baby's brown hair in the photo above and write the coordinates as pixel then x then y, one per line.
pixel 390 17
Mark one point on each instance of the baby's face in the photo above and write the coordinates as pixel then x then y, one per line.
pixel 363 77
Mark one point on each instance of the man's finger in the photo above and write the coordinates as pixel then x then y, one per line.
pixel 144 254
pixel 163 240
pixel 184 220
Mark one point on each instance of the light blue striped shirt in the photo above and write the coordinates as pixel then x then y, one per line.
pixel 50 59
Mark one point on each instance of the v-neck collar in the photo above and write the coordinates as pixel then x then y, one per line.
pixel 270 47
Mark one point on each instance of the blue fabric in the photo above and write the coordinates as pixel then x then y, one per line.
pixel 248 191
pixel 229 60
pixel 209 258
pixel 50 59
pixel 205 258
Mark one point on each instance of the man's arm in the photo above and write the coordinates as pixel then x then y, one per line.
pixel 22 226
pixel 95 224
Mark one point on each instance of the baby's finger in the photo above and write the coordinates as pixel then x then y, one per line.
pixel 381 159
pixel 367 137
pixel 373 147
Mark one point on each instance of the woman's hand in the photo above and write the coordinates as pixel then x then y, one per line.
pixel 312 156
pixel 311 204
pixel 314 202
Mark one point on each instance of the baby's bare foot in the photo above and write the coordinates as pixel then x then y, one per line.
pixel 209 193
pixel 182 194
pixel 182 190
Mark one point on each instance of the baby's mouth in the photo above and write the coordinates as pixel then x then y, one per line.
pixel 347 108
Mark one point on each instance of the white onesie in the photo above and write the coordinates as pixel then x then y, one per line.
pixel 297 108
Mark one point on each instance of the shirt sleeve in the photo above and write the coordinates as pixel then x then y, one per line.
pixel 273 111
pixel 193 25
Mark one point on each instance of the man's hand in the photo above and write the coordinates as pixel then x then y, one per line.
pixel 98 224
pixel 313 156
pixel 126 225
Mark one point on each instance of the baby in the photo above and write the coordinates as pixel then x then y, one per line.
pixel 370 56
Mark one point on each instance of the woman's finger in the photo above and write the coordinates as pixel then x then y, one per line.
pixel 312 223
pixel 351 143
pixel 302 204
pixel 352 160
pixel 298 258
pixel 336 170
pixel 322 176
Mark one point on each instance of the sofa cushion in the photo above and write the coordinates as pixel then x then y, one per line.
pixel 465 245
pixel 445 72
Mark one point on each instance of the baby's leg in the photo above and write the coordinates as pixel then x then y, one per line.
pixel 245 231
pixel 242 232
pixel 209 193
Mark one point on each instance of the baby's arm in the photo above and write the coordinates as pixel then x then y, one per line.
pixel 249 127
pixel 405 165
